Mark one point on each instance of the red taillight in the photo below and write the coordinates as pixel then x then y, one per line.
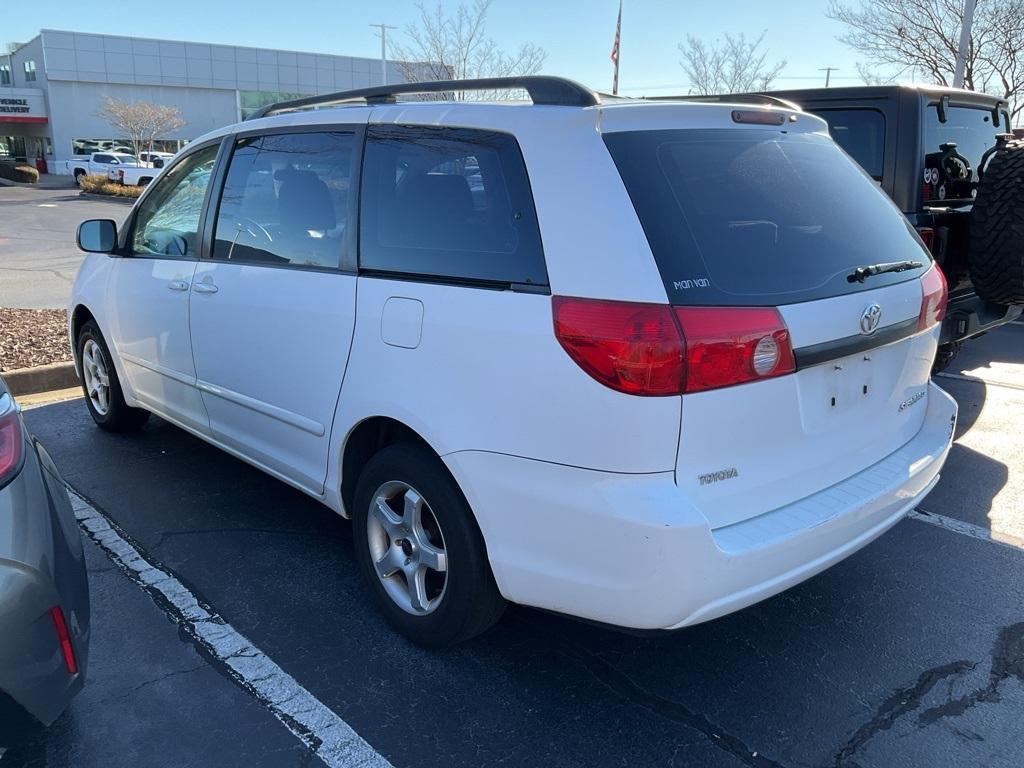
pixel 733 345
pixel 64 639
pixel 633 348
pixel 933 298
pixel 654 349
pixel 11 444
pixel 927 237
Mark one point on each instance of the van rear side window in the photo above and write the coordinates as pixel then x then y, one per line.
pixel 759 218
pixel 450 203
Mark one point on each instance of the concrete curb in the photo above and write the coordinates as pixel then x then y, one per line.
pixel 41 378
pixel 115 198
pixel 11 183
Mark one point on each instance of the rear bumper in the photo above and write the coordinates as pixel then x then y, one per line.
pixel 968 315
pixel 633 550
pixel 41 566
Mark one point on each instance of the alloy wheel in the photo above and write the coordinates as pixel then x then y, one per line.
pixel 407 548
pixel 97 378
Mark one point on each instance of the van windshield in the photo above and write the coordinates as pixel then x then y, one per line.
pixel 760 218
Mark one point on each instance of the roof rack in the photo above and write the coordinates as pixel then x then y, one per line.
pixel 734 98
pixel 542 90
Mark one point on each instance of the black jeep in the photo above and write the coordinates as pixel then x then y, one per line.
pixel 949 160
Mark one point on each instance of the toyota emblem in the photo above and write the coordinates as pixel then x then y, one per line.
pixel 870 318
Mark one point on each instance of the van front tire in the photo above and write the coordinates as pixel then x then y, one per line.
pixel 419 547
pixel 102 388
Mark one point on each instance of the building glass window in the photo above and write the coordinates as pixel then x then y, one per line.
pixel 30 71
pixel 250 101
pixel 5 74
pixel 122 146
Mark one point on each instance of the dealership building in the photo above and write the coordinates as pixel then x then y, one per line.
pixel 52 87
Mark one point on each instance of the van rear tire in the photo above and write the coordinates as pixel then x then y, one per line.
pixel 403 539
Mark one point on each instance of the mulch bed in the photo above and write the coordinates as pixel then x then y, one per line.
pixel 30 337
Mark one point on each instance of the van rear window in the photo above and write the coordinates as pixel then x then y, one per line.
pixel 761 218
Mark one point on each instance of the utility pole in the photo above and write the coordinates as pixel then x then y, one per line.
pixel 828 73
pixel 965 43
pixel 383 50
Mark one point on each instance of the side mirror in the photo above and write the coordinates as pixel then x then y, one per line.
pixel 97 236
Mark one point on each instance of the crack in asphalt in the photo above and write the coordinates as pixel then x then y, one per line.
pixel 1007 662
pixel 621 684
pixel 898 704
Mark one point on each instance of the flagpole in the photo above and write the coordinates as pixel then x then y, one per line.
pixel 616 51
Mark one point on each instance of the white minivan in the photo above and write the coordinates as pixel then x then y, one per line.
pixel 644 363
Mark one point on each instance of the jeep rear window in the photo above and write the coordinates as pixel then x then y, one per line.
pixel 861 133
pixel 973 132
pixel 761 218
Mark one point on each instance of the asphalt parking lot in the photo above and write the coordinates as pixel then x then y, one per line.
pixel 910 653
pixel 38 256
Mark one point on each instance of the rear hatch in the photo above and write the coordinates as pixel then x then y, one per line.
pixel 778 217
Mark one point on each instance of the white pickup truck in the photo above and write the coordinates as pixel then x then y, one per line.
pixel 100 163
pixel 133 175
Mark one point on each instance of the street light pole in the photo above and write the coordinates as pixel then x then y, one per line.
pixel 383 50
pixel 965 42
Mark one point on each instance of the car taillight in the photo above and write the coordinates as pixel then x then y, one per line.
pixel 633 348
pixel 11 445
pixel 60 626
pixel 733 345
pixel 933 298
pixel 654 349
pixel 927 237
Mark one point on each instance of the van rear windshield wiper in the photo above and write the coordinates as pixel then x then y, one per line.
pixel 860 274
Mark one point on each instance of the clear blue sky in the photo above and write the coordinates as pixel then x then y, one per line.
pixel 577 34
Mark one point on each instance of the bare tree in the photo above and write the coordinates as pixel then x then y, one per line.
pixel 141 122
pixel 921 37
pixel 454 45
pixel 731 65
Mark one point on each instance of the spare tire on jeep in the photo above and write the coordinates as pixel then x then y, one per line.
pixel 996 245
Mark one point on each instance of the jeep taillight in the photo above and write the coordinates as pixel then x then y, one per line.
pixel 11 446
pixel 927 235
pixel 933 298
pixel 655 349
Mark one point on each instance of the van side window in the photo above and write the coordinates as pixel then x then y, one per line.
pixel 861 134
pixel 450 203
pixel 285 200
pixel 167 222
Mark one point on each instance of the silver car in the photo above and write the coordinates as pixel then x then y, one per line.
pixel 44 595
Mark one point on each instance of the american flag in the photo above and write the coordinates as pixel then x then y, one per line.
pixel 615 51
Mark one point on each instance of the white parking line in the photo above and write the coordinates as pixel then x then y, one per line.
pixel 311 721
pixel 967 529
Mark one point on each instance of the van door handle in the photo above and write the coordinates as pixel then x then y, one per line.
pixel 204 288
pixel 178 285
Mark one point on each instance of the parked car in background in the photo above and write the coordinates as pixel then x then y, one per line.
pixel 155 159
pixel 44 595
pixel 642 363
pixel 100 163
pixel 949 160
pixel 137 175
